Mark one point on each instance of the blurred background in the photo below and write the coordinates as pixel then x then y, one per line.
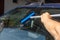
pixel 15 23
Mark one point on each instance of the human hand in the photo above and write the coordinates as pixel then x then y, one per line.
pixel 52 26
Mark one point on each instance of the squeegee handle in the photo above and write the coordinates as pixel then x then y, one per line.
pixel 54 15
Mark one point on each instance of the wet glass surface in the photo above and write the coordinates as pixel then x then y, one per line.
pixel 17 34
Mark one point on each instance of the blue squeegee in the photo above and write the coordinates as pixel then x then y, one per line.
pixel 27 17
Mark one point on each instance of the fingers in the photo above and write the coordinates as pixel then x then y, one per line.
pixel 45 16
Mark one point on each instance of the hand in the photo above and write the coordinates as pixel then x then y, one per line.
pixel 52 26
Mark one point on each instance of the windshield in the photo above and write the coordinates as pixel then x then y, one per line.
pixel 24 31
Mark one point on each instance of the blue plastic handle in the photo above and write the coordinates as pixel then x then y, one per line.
pixel 28 17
